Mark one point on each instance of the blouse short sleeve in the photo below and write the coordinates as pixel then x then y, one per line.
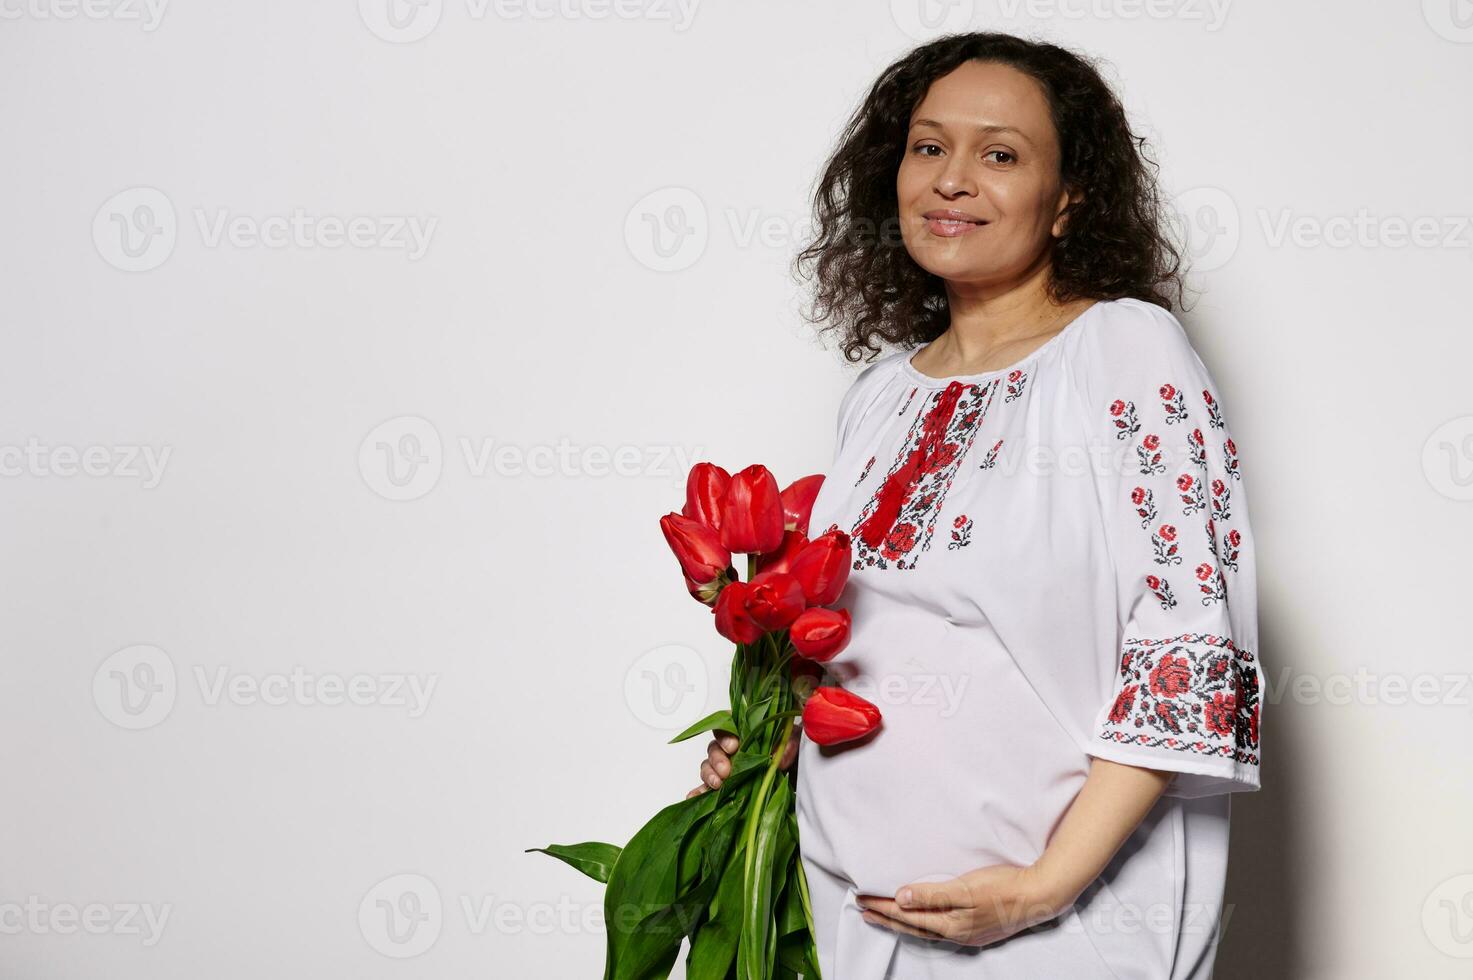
pixel 859 395
pixel 1186 677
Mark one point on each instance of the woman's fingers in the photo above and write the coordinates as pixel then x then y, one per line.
pixel 718 759
pixel 717 765
pixel 709 776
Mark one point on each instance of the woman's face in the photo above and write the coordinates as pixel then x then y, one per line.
pixel 981 142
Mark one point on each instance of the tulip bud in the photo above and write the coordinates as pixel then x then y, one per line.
pixel 823 566
pixel 798 501
pixel 705 487
pixel 820 634
pixel 732 620
pixel 774 600
pixel 832 715
pixel 752 519
pixel 697 547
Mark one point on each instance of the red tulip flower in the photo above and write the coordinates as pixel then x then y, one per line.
pixel 697 547
pixel 832 715
pixel 732 618
pixel 820 634
pixel 704 489
pixel 822 567
pixel 779 560
pixel 774 600
pixel 702 592
pixel 798 502
pixel 752 520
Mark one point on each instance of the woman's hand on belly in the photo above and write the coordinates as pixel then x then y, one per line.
pixel 978 908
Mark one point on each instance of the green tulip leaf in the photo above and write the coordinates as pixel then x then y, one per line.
pixel 593 858
pixel 644 882
pixel 717 719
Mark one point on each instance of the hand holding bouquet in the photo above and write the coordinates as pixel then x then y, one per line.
pixel 723 868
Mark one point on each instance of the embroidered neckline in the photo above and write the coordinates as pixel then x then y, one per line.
pixel 914 373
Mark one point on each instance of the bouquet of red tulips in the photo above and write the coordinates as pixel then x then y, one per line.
pixel 722 868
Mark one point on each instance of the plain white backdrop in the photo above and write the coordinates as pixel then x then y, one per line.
pixel 353 351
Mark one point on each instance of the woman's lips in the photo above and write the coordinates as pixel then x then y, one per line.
pixel 947 228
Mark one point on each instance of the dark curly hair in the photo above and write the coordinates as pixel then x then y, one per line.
pixel 1115 246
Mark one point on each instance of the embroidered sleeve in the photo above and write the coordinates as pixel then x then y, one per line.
pixel 1186 678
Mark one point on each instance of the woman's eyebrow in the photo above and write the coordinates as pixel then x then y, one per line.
pixel 984 128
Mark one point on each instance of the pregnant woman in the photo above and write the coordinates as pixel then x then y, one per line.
pixel 1053 587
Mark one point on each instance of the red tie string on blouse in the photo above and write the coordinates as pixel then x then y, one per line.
pixel 900 484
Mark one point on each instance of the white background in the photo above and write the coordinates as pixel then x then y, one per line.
pixel 611 197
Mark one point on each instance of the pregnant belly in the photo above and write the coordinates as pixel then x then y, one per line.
pixel 968 769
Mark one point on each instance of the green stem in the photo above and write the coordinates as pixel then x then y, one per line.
pixel 759 801
pixel 807 905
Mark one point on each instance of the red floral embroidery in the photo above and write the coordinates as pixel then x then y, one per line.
pixel 1161 589
pixel 1016 381
pixel 1214 414
pixel 1195 491
pixel 1190 488
pixel 897 523
pixel 1228 555
pixel 961 532
pixel 864 472
pixel 1145 505
pixel 1163 539
pixel 1209 583
pixel 1220 500
pixel 1122 415
pixel 990 459
pixel 1197 448
pixel 1195 692
pixel 1148 455
pixel 1175 405
pixel 1230 459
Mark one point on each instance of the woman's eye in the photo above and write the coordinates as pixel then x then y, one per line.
pixel 1005 153
pixel 926 146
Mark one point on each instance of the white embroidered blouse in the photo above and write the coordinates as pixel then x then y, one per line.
pixel 1053 561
